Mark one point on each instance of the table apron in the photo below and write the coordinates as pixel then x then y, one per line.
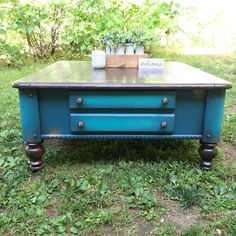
pixel 192 113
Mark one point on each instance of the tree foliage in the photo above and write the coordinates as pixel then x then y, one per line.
pixel 39 28
pixel 39 25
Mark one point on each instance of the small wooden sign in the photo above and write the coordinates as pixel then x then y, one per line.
pixel 151 64
pixel 119 61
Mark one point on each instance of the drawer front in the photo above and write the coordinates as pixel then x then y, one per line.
pixel 122 99
pixel 122 122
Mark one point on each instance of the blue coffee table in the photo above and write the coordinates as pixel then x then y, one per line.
pixel 70 100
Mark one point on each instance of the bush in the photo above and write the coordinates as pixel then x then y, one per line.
pixel 39 28
pixel 11 54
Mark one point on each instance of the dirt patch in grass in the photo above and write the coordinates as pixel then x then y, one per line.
pixel 182 220
pixel 231 109
pixel 2 209
pixel 228 61
pixel 51 212
pixel 229 153
pixel 108 230
pixel 144 228
pixel 177 217
pixel 139 228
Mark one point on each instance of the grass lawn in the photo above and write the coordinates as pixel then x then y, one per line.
pixel 117 187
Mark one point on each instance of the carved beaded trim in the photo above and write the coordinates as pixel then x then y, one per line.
pixel 115 136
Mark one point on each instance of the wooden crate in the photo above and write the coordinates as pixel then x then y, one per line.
pixel 131 61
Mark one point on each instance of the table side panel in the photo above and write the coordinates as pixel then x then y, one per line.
pixel 189 111
pixel 213 115
pixel 30 116
pixel 55 112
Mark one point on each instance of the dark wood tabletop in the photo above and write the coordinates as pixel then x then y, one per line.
pixel 80 74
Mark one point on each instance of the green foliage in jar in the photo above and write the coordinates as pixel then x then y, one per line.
pixel 140 36
pixel 130 37
pixel 119 38
pixel 108 39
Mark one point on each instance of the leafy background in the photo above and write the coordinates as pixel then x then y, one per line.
pixel 99 188
pixel 40 30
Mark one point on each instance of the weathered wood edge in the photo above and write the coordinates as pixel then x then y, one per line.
pixel 120 86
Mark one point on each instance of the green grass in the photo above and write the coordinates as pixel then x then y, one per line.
pixel 128 187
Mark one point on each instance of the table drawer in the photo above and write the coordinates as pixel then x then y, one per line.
pixel 122 122
pixel 122 99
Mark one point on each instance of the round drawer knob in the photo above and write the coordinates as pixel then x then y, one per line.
pixel 165 101
pixel 81 124
pixel 79 101
pixel 163 124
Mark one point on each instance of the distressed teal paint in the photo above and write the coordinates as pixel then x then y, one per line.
pixel 213 115
pixel 30 116
pixel 189 111
pixel 122 99
pixel 196 114
pixel 122 122
pixel 55 110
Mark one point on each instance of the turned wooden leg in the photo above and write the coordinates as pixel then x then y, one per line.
pixel 207 151
pixel 35 152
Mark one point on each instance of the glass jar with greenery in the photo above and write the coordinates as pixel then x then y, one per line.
pixel 130 41
pixel 120 40
pixel 108 41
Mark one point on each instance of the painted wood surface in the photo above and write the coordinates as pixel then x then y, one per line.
pixel 80 74
pixel 122 99
pixel 122 122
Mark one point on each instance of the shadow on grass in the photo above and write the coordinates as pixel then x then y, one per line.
pixel 90 151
